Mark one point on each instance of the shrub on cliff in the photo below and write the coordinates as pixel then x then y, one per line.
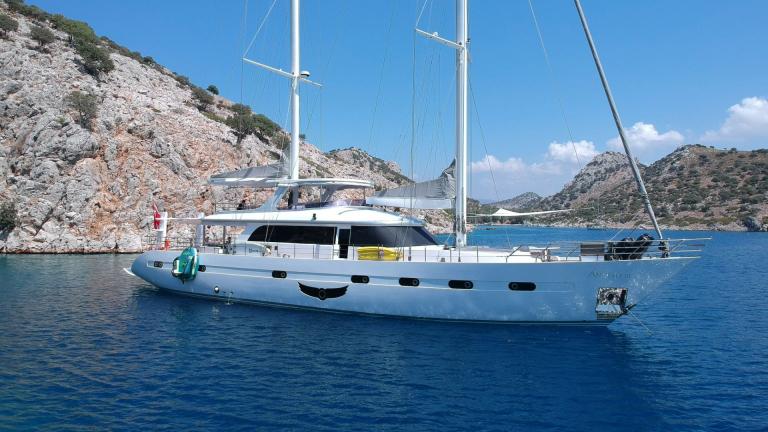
pixel 240 109
pixel 183 80
pixel 202 97
pixel 42 35
pixel 245 123
pixel 86 43
pixel 266 126
pixel 213 89
pixel 77 30
pixel 242 125
pixel 33 12
pixel 95 59
pixel 7 24
pixel 86 106
pixel 9 219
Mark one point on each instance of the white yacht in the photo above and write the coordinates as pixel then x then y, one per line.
pixel 333 253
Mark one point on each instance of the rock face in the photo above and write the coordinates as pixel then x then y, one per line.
pixel 521 202
pixel 90 191
pixel 694 187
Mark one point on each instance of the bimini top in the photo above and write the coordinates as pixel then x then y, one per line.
pixel 259 176
pixel 337 183
pixel 272 176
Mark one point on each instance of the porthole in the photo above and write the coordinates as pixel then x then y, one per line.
pixel 461 284
pixel 279 274
pixel 522 286
pixel 360 279
pixel 157 264
pixel 201 268
pixel 409 282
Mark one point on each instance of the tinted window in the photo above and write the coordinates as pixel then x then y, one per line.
pixel 294 234
pixel 390 236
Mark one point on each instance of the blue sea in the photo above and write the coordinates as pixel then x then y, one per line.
pixel 84 346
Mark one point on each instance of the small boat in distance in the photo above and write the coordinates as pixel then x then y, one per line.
pixel 334 252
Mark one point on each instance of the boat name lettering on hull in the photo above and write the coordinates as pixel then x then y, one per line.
pixel 610 275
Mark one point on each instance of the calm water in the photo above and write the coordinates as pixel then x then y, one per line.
pixel 85 346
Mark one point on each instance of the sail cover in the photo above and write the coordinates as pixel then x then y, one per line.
pixel 433 194
pixel 252 176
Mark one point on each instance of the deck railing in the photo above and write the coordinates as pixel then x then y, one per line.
pixel 548 252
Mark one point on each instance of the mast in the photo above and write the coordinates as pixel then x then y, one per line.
pixel 617 120
pixel 461 45
pixel 462 77
pixel 295 77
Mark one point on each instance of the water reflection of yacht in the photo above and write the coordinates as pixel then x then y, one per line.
pixel 330 253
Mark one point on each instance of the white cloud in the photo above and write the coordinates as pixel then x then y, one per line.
pixel 564 152
pixel 646 141
pixel 746 120
pixel 492 163
pixel 514 175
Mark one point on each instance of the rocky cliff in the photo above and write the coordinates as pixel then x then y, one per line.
pixel 81 190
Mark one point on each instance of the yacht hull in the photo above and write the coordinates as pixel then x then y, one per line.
pixel 565 292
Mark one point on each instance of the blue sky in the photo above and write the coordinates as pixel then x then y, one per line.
pixel 682 72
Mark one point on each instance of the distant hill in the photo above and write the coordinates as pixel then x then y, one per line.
pixel 521 202
pixel 694 187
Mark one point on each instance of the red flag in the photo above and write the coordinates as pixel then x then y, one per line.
pixel 156 217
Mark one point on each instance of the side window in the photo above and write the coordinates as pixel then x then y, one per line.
pixel 392 236
pixel 294 234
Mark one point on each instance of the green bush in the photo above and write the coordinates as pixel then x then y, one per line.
pixel 7 24
pixel 213 89
pixel 183 80
pixel 86 106
pixel 77 30
pixel 95 59
pixel 267 127
pixel 9 219
pixel 203 98
pixel 240 109
pixel 42 35
pixel 33 12
pixel 148 60
pixel 242 125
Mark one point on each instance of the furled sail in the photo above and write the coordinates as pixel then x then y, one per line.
pixel 252 176
pixel 433 194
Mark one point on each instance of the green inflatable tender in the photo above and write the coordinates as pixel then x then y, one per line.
pixel 185 265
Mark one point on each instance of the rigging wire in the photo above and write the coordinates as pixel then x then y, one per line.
pixel 553 81
pixel 387 41
pixel 318 100
pixel 485 147
pixel 557 92
pixel 258 29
